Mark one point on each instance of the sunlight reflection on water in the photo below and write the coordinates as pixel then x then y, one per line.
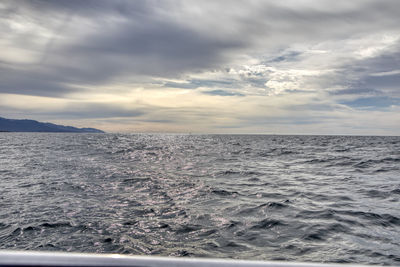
pixel 302 198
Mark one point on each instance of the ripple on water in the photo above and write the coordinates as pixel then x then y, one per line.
pixel 297 198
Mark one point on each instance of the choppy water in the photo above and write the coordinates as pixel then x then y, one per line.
pixel 295 198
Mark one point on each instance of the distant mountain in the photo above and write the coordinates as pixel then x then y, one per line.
pixel 9 125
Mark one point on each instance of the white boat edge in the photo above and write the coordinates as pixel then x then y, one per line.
pixel 44 259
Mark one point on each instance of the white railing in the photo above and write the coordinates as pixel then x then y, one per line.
pixel 47 259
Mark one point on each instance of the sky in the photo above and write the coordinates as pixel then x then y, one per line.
pixel 242 67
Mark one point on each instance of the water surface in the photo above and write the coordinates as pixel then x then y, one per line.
pixel 294 198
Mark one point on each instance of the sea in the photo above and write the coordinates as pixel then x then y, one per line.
pixel 332 199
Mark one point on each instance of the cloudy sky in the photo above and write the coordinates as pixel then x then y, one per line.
pixel 275 67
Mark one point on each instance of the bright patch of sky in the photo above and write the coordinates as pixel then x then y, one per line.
pixel 280 67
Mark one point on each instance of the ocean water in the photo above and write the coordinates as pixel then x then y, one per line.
pixel 292 198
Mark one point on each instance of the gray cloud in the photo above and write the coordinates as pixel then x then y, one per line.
pixel 356 91
pixel 150 48
pixel 288 56
pixel 194 84
pixel 106 40
pixel 360 79
pixel 222 93
pixel 388 82
pixel 372 102
pixel 80 111
pixel 33 81
pixel 121 38
pixel 91 110
pixel 225 48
